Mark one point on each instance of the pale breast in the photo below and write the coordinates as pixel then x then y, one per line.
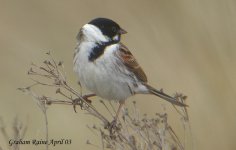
pixel 103 76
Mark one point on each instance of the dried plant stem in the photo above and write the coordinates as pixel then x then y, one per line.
pixel 4 133
pixel 46 127
pixel 18 130
pixel 132 132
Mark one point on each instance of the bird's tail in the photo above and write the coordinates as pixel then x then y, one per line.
pixel 166 97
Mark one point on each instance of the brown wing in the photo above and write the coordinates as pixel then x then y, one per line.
pixel 130 62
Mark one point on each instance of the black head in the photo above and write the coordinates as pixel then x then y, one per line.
pixel 108 27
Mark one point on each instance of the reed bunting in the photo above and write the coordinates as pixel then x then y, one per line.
pixel 107 68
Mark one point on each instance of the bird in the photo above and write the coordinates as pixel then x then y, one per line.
pixel 106 67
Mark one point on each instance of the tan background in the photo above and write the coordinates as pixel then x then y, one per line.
pixel 183 45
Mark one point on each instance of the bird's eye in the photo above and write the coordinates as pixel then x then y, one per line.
pixel 114 29
pixel 102 26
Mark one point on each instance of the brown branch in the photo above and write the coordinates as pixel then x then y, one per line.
pixel 131 132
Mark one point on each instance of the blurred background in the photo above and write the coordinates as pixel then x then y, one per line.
pixel 183 46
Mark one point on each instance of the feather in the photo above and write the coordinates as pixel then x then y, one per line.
pixel 131 63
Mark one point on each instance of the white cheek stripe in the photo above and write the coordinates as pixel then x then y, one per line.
pixel 93 34
pixel 116 38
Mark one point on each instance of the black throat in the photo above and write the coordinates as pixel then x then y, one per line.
pixel 99 49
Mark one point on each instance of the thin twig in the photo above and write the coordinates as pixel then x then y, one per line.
pixel 46 127
pixel 134 133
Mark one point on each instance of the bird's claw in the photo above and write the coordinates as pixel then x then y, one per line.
pixel 75 102
pixel 112 126
pixel 78 101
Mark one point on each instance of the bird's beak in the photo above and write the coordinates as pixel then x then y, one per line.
pixel 122 31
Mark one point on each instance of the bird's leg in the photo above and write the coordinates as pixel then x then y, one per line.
pixel 113 123
pixel 85 97
pixel 119 109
